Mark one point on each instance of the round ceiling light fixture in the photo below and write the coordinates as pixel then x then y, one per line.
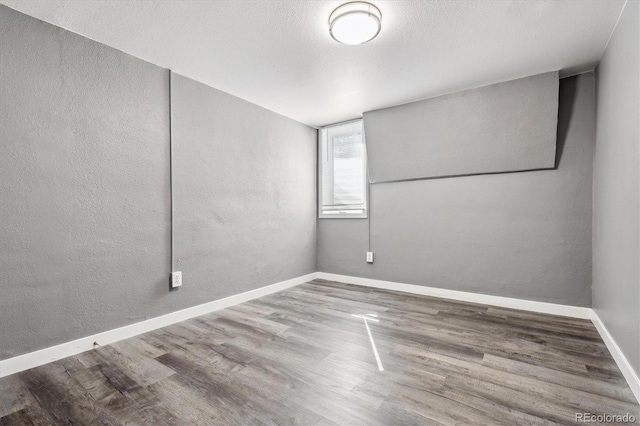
pixel 354 23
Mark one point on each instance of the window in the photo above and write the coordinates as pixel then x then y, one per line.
pixel 343 171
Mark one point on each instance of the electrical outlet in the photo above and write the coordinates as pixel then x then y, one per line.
pixel 176 279
pixel 369 257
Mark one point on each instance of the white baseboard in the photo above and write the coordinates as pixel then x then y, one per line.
pixel 505 302
pixel 623 364
pixel 54 353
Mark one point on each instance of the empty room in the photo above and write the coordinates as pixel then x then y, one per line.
pixel 297 212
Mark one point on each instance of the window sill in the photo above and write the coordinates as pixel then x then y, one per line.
pixel 343 216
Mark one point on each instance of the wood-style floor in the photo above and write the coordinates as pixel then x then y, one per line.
pixel 301 357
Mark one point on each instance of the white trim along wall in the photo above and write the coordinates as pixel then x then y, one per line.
pixel 43 356
pixel 54 353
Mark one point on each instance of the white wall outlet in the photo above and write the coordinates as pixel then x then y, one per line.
pixel 369 257
pixel 176 279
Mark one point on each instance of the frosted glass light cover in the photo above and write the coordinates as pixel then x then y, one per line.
pixel 355 23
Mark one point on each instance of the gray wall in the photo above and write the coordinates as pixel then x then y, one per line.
pixel 245 202
pixel 524 235
pixel 84 190
pixel 503 127
pixel 616 252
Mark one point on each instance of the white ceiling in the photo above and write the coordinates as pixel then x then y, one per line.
pixel 278 53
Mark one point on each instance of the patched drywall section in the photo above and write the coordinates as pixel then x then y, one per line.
pixel 503 127
pixel 524 235
pixel 84 184
pixel 244 185
pixel 616 192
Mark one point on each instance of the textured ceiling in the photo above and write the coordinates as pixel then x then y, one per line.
pixel 278 53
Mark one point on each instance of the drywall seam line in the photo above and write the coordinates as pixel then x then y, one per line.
pixel 612 31
pixel 463 175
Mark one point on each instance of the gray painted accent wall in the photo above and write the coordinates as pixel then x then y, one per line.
pixel 503 127
pixel 245 193
pixel 84 190
pixel 525 235
pixel 616 192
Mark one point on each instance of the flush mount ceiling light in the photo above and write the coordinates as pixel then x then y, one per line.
pixel 356 22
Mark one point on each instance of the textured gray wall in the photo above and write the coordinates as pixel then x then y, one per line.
pixel 616 251
pixel 84 217
pixel 245 203
pixel 84 190
pixel 503 127
pixel 524 235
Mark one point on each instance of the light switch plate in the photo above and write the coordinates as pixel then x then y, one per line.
pixel 369 257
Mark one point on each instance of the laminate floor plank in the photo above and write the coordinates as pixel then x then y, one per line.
pixel 14 395
pixel 62 398
pixel 576 399
pixel 321 400
pixel 325 422
pixel 143 370
pixel 325 354
pixel 436 407
pixel 125 404
pixel 619 391
pixel 32 414
pixel 493 324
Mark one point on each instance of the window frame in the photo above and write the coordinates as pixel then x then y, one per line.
pixel 342 214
